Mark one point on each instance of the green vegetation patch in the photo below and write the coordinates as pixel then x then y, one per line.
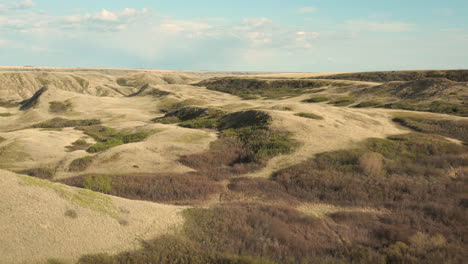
pixel 369 104
pixel 252 118
pixel 403 167
pixel 57 107
pixel 310 116
pixel 108 137
pixel 84 198
pixel 170 249
pixel 270 89
pixel 317 99
pixel 171 188
pixel 245 144
pixel 434 107
pixel 41 173
pixel 170 105
pixel 276 233
pixel 457 129
pixel 201 123
pixel 192 117
pixel 148 90
pixel 61 123
pixel 260 144
pixel 388 76
pixel 79 144
pixel 81 164
pixel 99 183
pixel 5 114
pixel 343 101
pixel 2 139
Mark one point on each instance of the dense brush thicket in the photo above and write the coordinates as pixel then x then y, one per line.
pixel 387 76
pixel 457 129
pixel 418 180
pixel 271 89
pixel 170 188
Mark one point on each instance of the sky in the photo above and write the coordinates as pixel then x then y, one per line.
pixel 241 35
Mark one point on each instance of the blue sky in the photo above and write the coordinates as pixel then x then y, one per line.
pixel 255 35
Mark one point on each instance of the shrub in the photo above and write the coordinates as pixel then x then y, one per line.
pixel 239 151
pixel 369 104
pixel 435 107
pixel 310 116
pixel 247 118
pixel 169 250
pixel 105 145
pixel 416 166
pixel 193 117
pixel 100 183
pixel 343 101
pixel 317 99
pixel 372 164
pixel 99 133
pixel 108 138
pixel 272 89
pixel 201 123
pixel 445 127
pixel 172 188
pixel 61 123
pixel 80 164
pixel 56 261
pixel 123 222
pixel 42 173
pixel 170 105
pixel 60 107
pixel 71 213
pixel 275 232
pixel 79 144
pixel 166 120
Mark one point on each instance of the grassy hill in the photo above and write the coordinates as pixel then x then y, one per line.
pixel 128 166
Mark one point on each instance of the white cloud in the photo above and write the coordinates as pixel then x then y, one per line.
pixel 105 20
pixel 24 4
pixel 307 10
pixel 256 24
pixel 17 5
pixel 212 19
pixel 366 25
pixel 178 26
pixel 105 15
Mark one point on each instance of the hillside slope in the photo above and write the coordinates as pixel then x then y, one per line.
pixel 42 220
